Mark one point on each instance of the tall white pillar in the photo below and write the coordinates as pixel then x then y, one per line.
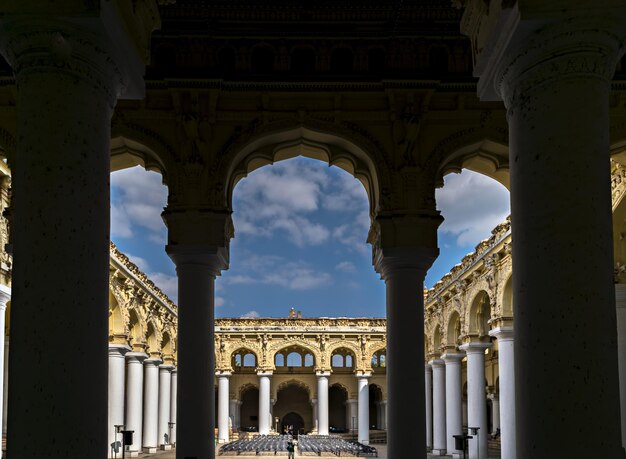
pixel 495 412
pixel 322 402
pixel 134 398
pixel 233 405
pixel 222 406
pixel 439 407
pixel 165 392
pixel 506 402
pixel 117 380
pixel 454 417
pixel 364 408
pixel 353 415
pixel 554 74
pixel 151 405
pixel 264 402
pixel 69 71
pixel 428 382
pixel 173 396
pixel 197 265
pixel 5 379
pixel 476 397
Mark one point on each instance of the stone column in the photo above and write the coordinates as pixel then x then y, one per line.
pixel 322 402
pixel 173 397
pixel 404 269
pixel 353 414
pixel 454 416
pixel 5 395
pixel 232 410
pixel 222 406
pixel 264 402
pixel 117 380
pixel 620 304
pixel 364 408
pixel 428 380
pixel 134 398
pixel 165 392
pixel 553 72
pixel 314 410
pixel 151 405
pixel 476 397
pixel 495 412
pixel 197 265
pixel 506 403
pixel 70 67
pixel 439 407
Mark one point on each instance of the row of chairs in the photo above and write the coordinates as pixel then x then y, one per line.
pixel 257 445
pixel 318 444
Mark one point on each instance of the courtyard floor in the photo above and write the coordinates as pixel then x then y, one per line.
pixel 382 453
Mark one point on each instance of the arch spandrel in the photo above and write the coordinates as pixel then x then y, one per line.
pixel 291 382
pixel 372 349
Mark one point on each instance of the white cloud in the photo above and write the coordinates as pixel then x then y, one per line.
pixel 354 235
pixel 219 302
pixel 138 199
pixel 346 266
pixel 472 205
pixel 250 315
pixel 273 270
pixel 349 195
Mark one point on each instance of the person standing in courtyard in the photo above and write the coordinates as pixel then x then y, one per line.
pixel 290 449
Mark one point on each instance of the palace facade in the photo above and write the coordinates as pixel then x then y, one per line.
pixel 398 93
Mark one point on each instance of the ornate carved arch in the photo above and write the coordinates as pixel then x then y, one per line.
pixel 490 143
pixel 476 288
pixel 346 145
pixel 293 382
pixel 274 348
pixel 155 153
pixel 245 387
pixel 373 349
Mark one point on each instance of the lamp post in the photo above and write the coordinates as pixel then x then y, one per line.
pixel 276 419
pixel 170 426
pixel 118 429
pixel 475 432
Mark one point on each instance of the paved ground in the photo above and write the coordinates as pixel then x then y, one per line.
pixel 382 453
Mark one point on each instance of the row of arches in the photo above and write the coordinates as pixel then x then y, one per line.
pixel 243 359
pixel 294 408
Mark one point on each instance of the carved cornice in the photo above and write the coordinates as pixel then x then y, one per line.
pixel 280 326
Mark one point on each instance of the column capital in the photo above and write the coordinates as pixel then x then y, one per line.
pixel 216 259
pixel 502 333
pixel 153 361
pixel 5 296
pixel 363 375
pixel 527 44
pixel 428 368
pixel 107 46
pixel 136 356
pixel 437 363
pixel 165 367
pixel 223 374
pixel 474 347
pixel 264 373
pixel 322 373
pixel 620 295
pixel 118 349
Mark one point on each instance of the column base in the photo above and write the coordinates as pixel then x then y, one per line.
pixel 165 447
pixel 132 453
pixel 149 449
pixel 438 452
pixel 457 455
pixel 222 440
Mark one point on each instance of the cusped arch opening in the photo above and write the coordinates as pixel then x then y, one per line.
pixel 454 330
pixel 480 314
pixel 331 148
pixel 485 157
pixel 127 152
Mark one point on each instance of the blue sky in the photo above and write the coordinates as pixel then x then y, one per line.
pixel 300 231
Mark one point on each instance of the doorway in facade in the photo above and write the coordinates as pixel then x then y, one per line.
pixel 292 423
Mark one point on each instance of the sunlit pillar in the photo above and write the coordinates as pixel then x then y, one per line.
pixel 222 406
pixel 264 402
pixel 364 407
